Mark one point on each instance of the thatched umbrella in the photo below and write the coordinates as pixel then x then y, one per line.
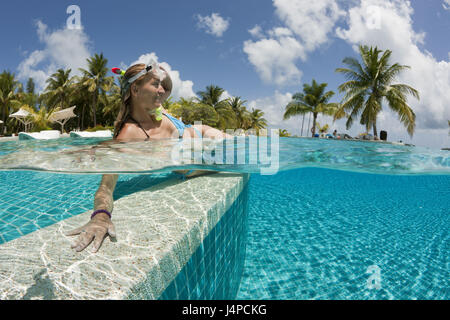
pixel 63 116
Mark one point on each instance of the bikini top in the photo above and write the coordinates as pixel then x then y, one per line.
pixel 177 123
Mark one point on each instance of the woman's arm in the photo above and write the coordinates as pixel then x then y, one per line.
pixel 100 225
pixel 104 196
pixel 212 133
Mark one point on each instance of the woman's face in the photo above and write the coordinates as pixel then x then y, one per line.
pixel 150 94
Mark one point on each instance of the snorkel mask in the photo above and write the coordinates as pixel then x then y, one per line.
pixel 151 67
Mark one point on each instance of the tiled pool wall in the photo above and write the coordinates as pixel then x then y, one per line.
pixel 214 271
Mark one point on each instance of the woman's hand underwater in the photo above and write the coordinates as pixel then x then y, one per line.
pixel 95 230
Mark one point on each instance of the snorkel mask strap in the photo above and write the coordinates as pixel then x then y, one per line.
pixel 151 67
pixel 144 71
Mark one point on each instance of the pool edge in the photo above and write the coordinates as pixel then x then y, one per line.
pixel 152 245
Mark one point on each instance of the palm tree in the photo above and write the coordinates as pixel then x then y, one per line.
pixel 369 85
pixel 313 100
pixel 96 81
pixel 30 97
pixel 112 104
pixel 241 112
pixel 211 96
pixel 59 88
pixel 283 133
pixel 8 94
pixel 80 98
pixel 257 121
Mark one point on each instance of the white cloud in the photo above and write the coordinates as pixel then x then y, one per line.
pixel 274 107
pixel 213 24
pixel 280 32
pixel 307 25
pixel 181 88
pixel 256 31
pixel 394 31
pixel 63 48
pixel 274 59
pixel 446 4
pixel 311 21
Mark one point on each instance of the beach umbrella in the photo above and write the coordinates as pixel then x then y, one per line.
pixel 23 116
pixel 63 116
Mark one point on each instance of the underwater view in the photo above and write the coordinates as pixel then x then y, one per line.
pixel 314 229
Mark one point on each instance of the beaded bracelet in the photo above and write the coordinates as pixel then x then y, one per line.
pixel 100 211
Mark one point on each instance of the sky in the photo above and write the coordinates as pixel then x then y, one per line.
pixel 262 51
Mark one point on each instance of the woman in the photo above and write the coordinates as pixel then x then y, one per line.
pixel 145 88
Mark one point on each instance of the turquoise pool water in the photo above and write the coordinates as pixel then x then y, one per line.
pixel 266 155
pixel 313 233
pixel 33 200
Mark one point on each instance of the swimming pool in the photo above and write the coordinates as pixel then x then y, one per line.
pixel 313 233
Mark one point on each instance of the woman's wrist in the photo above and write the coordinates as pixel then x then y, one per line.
pixel 101 213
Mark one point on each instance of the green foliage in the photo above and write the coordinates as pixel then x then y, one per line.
pixel 257 121
pixel 283 133
pixel 243 116
pixel 212 97
pixel 369 85
pixel 190 112
pixel 9 96
pixel 96 82
pixel 313 100
pixel 60 87
pixel 30 86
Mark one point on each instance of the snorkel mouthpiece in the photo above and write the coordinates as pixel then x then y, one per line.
pixel 118 71
pixel 159 114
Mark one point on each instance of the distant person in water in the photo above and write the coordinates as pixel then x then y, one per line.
pixel 144 89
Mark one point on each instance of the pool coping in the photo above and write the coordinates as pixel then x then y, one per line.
pixel 152 246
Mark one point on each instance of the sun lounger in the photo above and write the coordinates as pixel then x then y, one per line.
pixel 86 134
pixel 43 135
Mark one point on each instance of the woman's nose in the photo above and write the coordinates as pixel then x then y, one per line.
pixel 161 89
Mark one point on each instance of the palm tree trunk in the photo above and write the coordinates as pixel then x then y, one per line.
pixel 375 129
pixel 314 124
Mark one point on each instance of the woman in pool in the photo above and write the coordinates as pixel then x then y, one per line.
pixel 141 116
